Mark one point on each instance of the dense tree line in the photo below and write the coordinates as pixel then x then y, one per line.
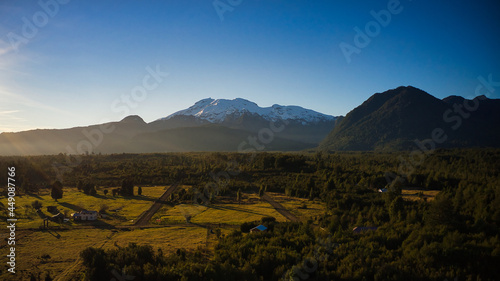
pixel 454 236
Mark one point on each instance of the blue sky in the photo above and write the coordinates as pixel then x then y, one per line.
pixel 87 61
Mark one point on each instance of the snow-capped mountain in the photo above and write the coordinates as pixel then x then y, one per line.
pixel 218 110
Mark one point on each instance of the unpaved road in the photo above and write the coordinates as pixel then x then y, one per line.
pixel 280 208
pixel 144 219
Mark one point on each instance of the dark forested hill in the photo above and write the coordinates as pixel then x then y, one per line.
pixel 395 119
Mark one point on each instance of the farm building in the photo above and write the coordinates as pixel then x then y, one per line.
pixel 359 229
pixel 382 190
pixel 259 228
pixel 85 215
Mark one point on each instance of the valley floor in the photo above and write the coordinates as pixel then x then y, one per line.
pixel 56 249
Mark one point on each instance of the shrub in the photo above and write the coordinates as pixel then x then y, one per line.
pixel 246 226
pixel 37 205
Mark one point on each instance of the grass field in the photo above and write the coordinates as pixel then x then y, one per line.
pixel 122 210
pixel 53 251
pixel 169 238
pixel 412 194
pixel 294 205
pixel 225 212
pixel 57 250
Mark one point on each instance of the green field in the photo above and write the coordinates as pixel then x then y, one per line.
pixel 415 194
pixel 121 210
pixel 57 249
pixel 54 250
pixel 295 205
pixel 251 208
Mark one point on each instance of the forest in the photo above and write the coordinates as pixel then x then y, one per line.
pixel 455 236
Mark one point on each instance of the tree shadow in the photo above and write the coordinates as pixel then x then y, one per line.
pixel 41 214
pixel 34 195
pixel 54 233
pixel 102 224
pixel 70 206
pixel 103 196
pixel 143 198
pixel 99 223
pixel 234 209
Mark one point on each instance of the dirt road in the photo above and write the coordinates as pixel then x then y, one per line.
pixel 279 208
pixel 146 216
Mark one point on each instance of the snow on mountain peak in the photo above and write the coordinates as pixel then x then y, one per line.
pixel 216 111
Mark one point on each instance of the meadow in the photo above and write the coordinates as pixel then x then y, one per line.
pixel 225 211
pixel 56 249
pixel 121 210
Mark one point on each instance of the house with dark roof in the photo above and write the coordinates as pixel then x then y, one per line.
pixel 85 215
pixel 360 229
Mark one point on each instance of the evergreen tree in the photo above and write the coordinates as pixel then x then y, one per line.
pixel 57 190
pixel 396 208
pixel 127 188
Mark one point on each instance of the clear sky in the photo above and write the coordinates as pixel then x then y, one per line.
pixel 75 63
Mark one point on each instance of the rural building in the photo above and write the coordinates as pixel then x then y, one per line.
pixel 360 229
pixel 382 190
pixel 85 215
pixel 58 218
pixel 259 228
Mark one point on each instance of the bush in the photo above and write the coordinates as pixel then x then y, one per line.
pixel 268 220
pixel 103 208
pixel 246 226
pixel 37 205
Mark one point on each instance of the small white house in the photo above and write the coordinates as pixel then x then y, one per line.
pixel 85 215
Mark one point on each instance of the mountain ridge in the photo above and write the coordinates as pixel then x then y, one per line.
pixel 392 120
pixel 305 128
pixel 395 119
pixel 216 110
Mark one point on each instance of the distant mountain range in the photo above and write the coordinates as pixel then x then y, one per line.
pixel 208 125
pixel 220 110
pixel 398 119
pixel 401 118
